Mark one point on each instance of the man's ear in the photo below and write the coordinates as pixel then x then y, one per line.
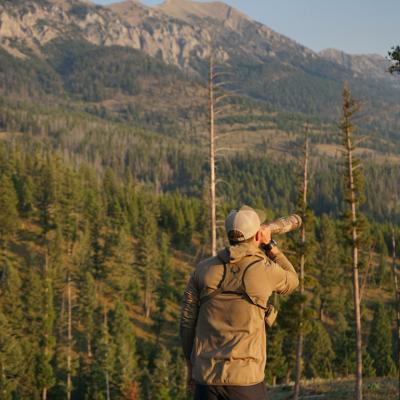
pixel 257 236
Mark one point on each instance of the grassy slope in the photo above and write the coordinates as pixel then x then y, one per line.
pixel 343 389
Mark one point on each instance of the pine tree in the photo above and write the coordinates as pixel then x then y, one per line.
pixel 87 302
pixel 394 55
pixel 276 362
pixel 380 343
pixel 103 363
pixel 10 296
pixel 146 254
pixel 328 260
pixel 164 286
pixel 353 188
pixel 8 214
pixel 162 379
pixel 318 356
pixel 125 368
pixel 178 375
pixel 303 206
pixel 11 361
pixel 46 195
pixel 44 370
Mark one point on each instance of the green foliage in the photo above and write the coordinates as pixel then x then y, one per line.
pixel 394 55
pixel 276 362
pixel 318 352
pixel 8 209
pixel 127 246
pixel 380 342
pixel 125 372
pixel 162 381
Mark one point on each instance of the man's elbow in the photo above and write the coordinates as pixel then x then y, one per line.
pixel 291 284
pixel 296 282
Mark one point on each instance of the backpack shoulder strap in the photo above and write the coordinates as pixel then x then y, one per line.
pixel 244 286
pixel 219 286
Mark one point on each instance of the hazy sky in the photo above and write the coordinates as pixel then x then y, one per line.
pixel 355 26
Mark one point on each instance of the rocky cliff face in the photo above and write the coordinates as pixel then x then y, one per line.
pixel 177 32
pixel 267 66
pixel 31 25
pixel 371 66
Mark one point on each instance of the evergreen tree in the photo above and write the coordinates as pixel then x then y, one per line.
pixel 103 363
pixel 24 189
pixel 125 368
pixel 46 195
pixel 394 55
pixel 328 261
pixel 380 343
pixel 87 302
pixel 178 375
pixel 8 212
pixel 164 287
pixel 44 370
pixel 146 253
pixel 10 296
pixel 161 375
pixel 318 356
pixel 276 363
pixel 354 197
pixel 11 361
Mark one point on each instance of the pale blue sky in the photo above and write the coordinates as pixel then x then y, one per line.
pixel 355 26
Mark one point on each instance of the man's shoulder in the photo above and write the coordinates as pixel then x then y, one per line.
pixel 214 260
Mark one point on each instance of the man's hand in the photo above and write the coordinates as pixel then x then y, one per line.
pixel 190 383
pixel 265 234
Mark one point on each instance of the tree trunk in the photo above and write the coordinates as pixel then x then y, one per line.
pixel 212 158
pixel 397 294
pixel 354 237
pixel 300 339
pixel 46 268
pixel 108 396
pixel 147 296
pixel 69 337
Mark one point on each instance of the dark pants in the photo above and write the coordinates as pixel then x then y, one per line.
pixel 254 392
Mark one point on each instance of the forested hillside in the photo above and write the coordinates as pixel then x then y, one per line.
pixel 86 255
pixel 105 204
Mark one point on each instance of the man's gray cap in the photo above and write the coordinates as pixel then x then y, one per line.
pixel 244 223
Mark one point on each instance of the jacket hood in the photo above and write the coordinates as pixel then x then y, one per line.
pixel 233 254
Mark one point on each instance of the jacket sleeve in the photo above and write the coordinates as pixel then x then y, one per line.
pixel 189 316
pixel 285 279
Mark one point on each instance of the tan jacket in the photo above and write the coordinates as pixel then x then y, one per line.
pixel 224 336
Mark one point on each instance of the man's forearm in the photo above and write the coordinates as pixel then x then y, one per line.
pixel 187 339
pixel 277 256
pixel 292 280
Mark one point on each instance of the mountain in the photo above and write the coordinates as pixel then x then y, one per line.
pixel 371 66
pixel 62 41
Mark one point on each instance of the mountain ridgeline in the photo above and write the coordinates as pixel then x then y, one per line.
pixel 266 66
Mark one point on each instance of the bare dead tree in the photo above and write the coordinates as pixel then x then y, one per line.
pixel 69 336
pixel 107 375
pixel 216 98
pixel 397 296
pixel 211 100
pixel 300 339
pixel 350 107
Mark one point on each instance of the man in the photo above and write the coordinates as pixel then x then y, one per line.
pixel 225 301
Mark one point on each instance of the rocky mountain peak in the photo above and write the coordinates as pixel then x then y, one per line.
pixel 191 11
